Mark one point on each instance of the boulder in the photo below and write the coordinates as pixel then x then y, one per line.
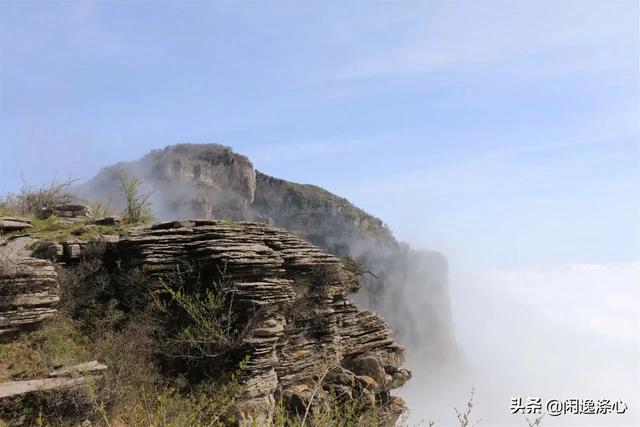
pixel 107 220
pixel 370 367
pixel 68 211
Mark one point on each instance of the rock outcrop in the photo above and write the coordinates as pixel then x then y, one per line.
pixel 209 181
pixel 66 211
pixel 73 250
pixel 319 216
pixel 28 293
pixel 304 336
pixel 58 379
pixel 9 224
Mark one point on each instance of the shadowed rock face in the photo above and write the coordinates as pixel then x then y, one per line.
pixel 409 288
pixel 321 217
pixel 303 327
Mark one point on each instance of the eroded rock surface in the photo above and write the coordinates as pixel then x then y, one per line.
pixel 305 335
pixel 409 288
pixel 9 224
pixel 28 293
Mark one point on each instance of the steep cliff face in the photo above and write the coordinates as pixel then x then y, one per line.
pixel 210 181
pixel 409 287
pixel 306 341
pixel 302 335
pixel 319 216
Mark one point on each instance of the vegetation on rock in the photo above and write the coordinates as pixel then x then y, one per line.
pixel 137 207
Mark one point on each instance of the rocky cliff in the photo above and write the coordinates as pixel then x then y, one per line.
pixel 28 293
pixel 409 288
pixel 305 343
pixel 210 294
pixel 302 335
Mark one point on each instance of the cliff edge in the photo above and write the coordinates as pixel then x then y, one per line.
pixel 210 181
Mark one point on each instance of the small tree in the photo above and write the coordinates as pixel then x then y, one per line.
pixel 138 208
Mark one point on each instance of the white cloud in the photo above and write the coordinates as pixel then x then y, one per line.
pixel 566 332
pixel 601 299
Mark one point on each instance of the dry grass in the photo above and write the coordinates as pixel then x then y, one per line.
pixel 32 199
pixel 56 343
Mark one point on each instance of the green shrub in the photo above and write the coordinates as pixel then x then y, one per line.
pixel 57 342
pixel 137 208
pixel 199 329
pixel 64 407
pixel 329 411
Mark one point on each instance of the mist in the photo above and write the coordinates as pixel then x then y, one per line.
pixel 567 332
pixel 555 332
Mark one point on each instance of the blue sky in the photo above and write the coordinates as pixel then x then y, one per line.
pixel 504 133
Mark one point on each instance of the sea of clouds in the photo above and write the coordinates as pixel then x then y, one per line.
pixel 565 332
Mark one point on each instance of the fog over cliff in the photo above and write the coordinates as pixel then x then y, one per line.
pixel 407 286
pixel 569 331
pixel 562 333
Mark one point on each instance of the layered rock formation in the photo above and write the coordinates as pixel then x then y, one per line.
pixel 409 288
pixel 10 224
pixel 319 216
pixel 28 293
pixel 304 337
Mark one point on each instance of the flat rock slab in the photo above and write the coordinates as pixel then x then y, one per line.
pixel 66 211
pixel 16 246
pixel 81 368
pixel 68 376
pixel 11 224
pixel 16 388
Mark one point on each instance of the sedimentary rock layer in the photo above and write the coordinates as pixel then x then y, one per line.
pixel 28 293
pixel 10 224
pixel 304 332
